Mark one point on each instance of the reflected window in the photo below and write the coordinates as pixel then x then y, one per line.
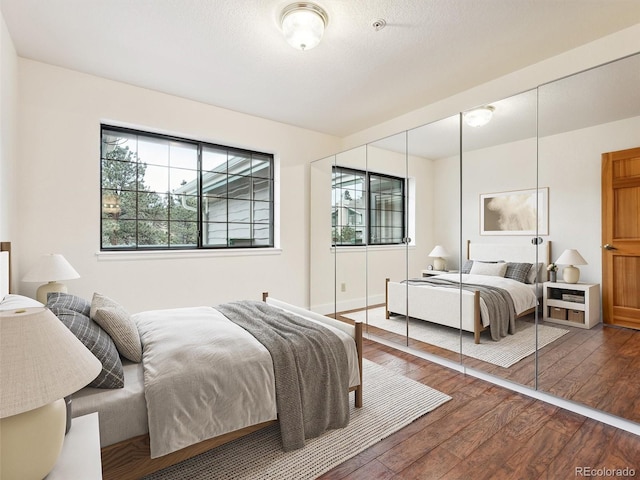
pixel 366 208
pixel 166 193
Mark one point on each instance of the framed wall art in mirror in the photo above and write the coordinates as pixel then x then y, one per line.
pixel 520 212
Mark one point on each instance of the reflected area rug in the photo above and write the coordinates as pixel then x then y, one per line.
pixel 505 353
pixel 391 402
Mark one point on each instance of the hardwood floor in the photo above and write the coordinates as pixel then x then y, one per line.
pixel 487 432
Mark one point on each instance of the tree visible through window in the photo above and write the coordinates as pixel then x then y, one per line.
pixel 162 192
pixel 366 208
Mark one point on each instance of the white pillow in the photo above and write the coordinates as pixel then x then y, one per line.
pixel 493 269
pixel 533 273
pixel 13 301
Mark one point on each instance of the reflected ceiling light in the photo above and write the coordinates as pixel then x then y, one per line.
pixel 478 116
pixel 303 24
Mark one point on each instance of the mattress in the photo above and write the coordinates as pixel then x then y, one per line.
pixel 123 412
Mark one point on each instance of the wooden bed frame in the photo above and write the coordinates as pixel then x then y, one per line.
pixel 471 320
pixel 131 459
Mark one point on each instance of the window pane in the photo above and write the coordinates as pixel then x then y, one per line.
pixel 214 160
pixel 239 187
pixel 183 207
pixel 183 234
pixel 152 206
pixel 261 235
pixel 261 212
pixel 239 235
pixel 214 209
pixel 261 189
pixel 183 155
pixel 214 234
pixel 153 178
pixel 153 151
pixel 119 175
pixel 153 234
pixel 118 233
pixel 239 211
pixel 119 146
pixel 214 184
pixel 183 181
pixel 239 163
pixel 261 166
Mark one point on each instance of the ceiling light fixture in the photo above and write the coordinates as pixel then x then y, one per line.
pixel 479 117
pixel 303 24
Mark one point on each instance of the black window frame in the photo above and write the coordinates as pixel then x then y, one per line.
pixel 200 196
pixel 369 211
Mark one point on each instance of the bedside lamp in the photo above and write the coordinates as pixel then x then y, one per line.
pixel 437 253
pixel 571 257
pixel 42 362
pixel 50 268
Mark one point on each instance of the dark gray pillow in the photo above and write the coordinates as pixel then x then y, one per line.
pixel 98 342
pixel 70 302
pixel 518 271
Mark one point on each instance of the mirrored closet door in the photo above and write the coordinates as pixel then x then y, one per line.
pixel 582 119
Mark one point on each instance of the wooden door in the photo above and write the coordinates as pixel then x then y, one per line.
pixel 621 238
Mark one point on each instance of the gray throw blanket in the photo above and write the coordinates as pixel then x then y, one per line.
pixel 310 366
pixel 502 312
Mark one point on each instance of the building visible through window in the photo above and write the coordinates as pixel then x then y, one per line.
pixel 161 192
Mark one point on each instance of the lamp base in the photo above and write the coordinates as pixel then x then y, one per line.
pixel 31 442
pixel 439 264
pixel 47 288
pixel 571 274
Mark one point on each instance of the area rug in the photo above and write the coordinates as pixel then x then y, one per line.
pixel 505 353
pixel 391 402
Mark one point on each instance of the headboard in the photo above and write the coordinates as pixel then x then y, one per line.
pixel 5 269
pixel 511 252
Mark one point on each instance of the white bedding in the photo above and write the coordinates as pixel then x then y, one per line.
pixel 224 370
pixel 524 298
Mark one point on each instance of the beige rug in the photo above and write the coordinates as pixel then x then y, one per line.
pixel 505 353
pixel 391 402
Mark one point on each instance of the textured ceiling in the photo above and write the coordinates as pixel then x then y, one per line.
pixel 231 53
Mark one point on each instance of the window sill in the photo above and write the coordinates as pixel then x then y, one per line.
pixel 364 248
pixel 165 254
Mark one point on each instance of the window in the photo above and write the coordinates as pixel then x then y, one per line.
pixel 367 208
pixel 161 192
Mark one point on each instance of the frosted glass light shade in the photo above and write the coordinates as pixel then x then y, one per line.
pixel 478 117
pixel 303 25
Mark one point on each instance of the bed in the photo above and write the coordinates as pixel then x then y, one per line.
pixel 437 299
pixel 129 451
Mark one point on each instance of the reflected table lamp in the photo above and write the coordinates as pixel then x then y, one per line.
pixel 438 261
pixel 42 362
pixel 571 257
pixel 50 268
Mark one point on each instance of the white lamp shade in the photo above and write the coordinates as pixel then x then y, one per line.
pixel 50 268
pixel 439 251
pixel 42 361
pixel 303 25
pixel 571 257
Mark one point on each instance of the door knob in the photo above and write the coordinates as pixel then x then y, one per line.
pixel 606 246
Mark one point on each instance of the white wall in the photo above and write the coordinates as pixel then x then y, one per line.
pixel 569 165
pixel 60 112
pixel 8 115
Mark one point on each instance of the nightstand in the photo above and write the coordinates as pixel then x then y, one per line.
pixel 80 457
pixel 574 304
